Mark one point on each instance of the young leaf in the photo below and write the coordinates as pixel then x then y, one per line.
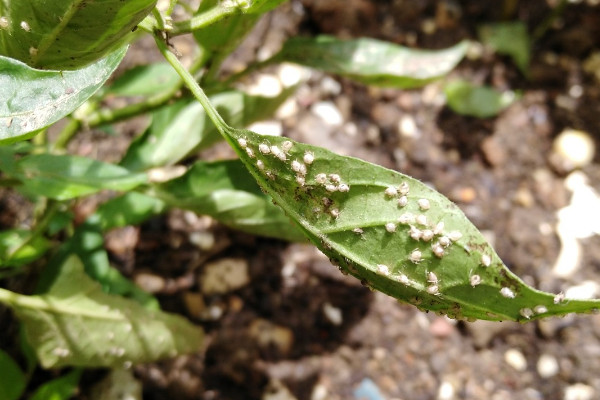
pixel 128 209
pixel 510 38
pixel 181 128
pixel 476 101
pixel 372 61
pixel 145 80
pixel 226 191
pixel 393 232
pixel 61 388
pixel 12 239
pixel 34 99
pixel 77 324
pixel 64 177
pixel 12 379
pixel 67 34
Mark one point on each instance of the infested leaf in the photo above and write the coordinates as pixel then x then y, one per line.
pixel 393 232
pixel 468 99
pixel 67 34
pixel 34 99
pixel 226 191
pixel 76 324
pixel 372 61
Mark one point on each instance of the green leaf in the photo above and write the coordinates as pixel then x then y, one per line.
pixel 11 239
pixel 372 61
pixel 259 6
pixel 476 101
pixel 67 34
pixel 356 214
pixel 64 177
pixel 510 38
pixel 12 379
pixel 183 127
pixel 76 324
pixel 34 99
pixel 145 80
pixel 62 388
pixel 226 191
pixel 129 209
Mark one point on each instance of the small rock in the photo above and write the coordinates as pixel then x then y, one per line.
pixel 319 392
pixel 441 327
pixel 333 314
pixel 572 149
pixel 328 112
pixel 194 303
pixel 276 390
pixel 579 391
pixel 583 291
pixel 368 390
pixel 203 240
pixel 270 128
pixel 224 276
pixel 547 366
pixel 493 151
pixel 149 282
pixel 292 74
pixel 268 335
pixel 265 85
pixel 446 391
pixel 515 359
pixel 407 127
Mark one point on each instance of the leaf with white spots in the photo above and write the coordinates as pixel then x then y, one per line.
pixel 372 61
pixel 76 324
pixel 422 251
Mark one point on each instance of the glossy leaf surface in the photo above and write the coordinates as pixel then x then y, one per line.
pixel 393 232
pixel 67 34
pixel 33 99
pixel 466 98
pixel 75 323
pixel 226 191
pixel 372 61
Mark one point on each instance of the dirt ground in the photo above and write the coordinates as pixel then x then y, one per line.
pixel 293 327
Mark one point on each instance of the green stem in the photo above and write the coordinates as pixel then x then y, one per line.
pixel 68 132
pixel 39 228
pixel 192 85
pixel 206 18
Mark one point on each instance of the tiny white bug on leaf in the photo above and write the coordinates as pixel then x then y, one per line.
pixel 507 292
pixel 242 142
pixel 402 201
pixel 424 204
pixel 416 256
pixel 309 157
pixel 390 227
pixel 391 191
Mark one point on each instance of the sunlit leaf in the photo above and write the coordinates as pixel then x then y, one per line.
pixel 393 232
pixel 61 388
pixel 67 34
pixel 145 80
pixel 476 101
pixel 226 191
pixel 509 38
pixel 75 323
pixel 12 379
pixel 64 177
pixel 183 127
pixel 372 61
pixel 13 251
pixel 33 99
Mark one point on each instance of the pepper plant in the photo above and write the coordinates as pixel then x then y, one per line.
pixel 387 229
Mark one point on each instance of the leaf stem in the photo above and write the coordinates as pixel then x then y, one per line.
pixel 206 18
pixel 39 228
pixel 192 85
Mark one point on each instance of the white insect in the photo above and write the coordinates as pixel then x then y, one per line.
pixel 344 188
pixel 321 178
pixel 309 158
pixel 335 178
pixel 33 51
pixel 432 278
pixel 559 298
pixel 540 309
pixel 296 166
pixel 4 23
pixel 486 260
pixel 260 165
pixel 334 212
pixel 526 312
pixel 331 188
pixel 264 148
pixel 402 201
pixel 475 280
pixel 250 152
pixel 287 146
pixel 390 227
pixel 422 220
pixel 278 153
pixel 427 235
pixel 433 289
pixel 415 233
pixel 455 236
pixel 383 269
pixel 416 256
pixel 358 231
pixel 403 279
pixel 507 292
pixel 424 204
pixel 25 26
pixel 404 188
pixel 300 180
pixel 406 218
pixel 444 241
pixel 242 142
pixel 438 250
pixel 439 228
pixel 391 191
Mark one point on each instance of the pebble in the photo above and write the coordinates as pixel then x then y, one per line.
pixel 368 390
pixel 583 291
pixel 407 127
pixel 333 314
pixel 579 391
pixel 149 282
pixel 203 240
pixel 271 128
pixel 446 391
pixel 515 359
pixel 547 366
pixel 194 303
pixel 224 275
pixel 265 85
pixel 269 335
pixel 572 149
pixel 328 112
pixel 292 74
pixel 276 390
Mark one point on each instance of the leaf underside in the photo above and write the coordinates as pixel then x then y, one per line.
pixel 357 216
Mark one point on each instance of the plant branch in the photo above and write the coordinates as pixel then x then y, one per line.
pixel 39 228
pixel 206 18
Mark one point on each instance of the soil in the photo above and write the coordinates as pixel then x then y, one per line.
pixel 299 329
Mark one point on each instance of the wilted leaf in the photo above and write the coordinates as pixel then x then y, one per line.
pixel 34 99
pixel 145 80
pixel 12 239
pixel 67 34
pixel 226 191
pixel 61 388
pixel 12 379
pixel 393 232
pixel 181 128
pixel 77 324
pixel 372 61
pixel 64 177
pixel 510 38
pixel 476 101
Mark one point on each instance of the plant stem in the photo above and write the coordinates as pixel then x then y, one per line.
pixel 192 85
pixel 68 132
pixel 206 18
pixel 39 228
